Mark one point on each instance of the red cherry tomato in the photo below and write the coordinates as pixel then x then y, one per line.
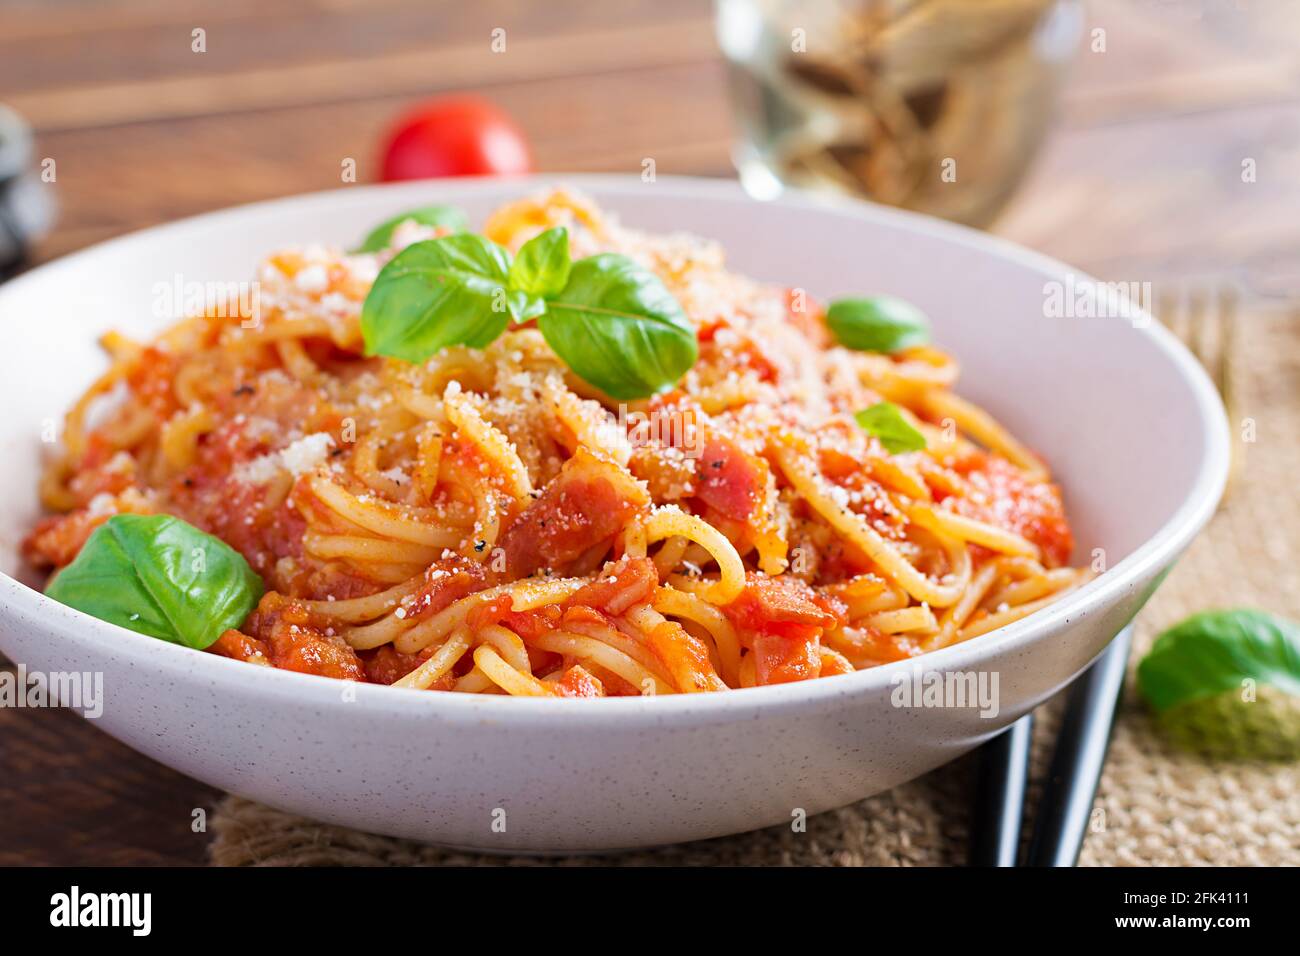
pixel 456 136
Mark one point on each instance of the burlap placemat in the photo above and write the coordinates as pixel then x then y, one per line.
pixel 1158 806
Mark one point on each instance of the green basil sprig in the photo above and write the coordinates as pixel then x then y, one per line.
pixel 447 291
pixel 879 324
pixel 157 575
pixel 448 217
pixel 1196 676
pixel 542 266
pixel 887 423
pixel 1215 651
pixel 617 326
pixel 612 321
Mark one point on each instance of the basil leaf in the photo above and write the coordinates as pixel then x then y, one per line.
pixel 542 266
pixel 880 324
pixel 523 306
pixel 1214 651
pixel 447 291
pixel 887 423
pixel 619 328
pixel 449 217
pixel 157 575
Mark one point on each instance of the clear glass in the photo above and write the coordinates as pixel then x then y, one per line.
pixel 934 105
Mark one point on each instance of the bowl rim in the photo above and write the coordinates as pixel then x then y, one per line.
pixel 1143 563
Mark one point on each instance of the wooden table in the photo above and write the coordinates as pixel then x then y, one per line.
pixel 1141 180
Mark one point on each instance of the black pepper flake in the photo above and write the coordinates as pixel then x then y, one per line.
pixel 245 389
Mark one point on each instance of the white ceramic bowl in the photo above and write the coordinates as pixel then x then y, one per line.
pixel 1131 425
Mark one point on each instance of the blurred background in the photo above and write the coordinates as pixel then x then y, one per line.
pixel 1150 107
pixel 1139 140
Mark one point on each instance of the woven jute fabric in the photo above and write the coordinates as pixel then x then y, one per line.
pixel 1156 805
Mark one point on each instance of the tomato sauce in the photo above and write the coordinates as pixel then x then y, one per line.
pixel 1007 498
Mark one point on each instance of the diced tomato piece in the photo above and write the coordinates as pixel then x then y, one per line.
pixel 781 620
pixel 784 604
pixel 239 646
pixel 579 682
pixel 527 624
pixel 490 613
pixel 587 503
pixel 445 582
pixel 628 582
pixel 241 517
pixel 729 479
pixel 310 652
pixel 788 656
pixel 684 657
pixel 297 643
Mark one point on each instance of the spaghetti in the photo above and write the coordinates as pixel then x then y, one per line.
pixel 487 522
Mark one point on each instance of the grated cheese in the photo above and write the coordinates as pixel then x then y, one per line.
pixel 302 456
